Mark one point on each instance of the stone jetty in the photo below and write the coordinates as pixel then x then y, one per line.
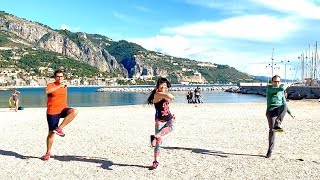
pixel 149 89
pixel 293 92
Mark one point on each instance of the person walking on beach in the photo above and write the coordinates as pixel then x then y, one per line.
pixel 57 108
pixel 190 96
pixel 197 95
pixel 164 120
pixel 276 110
pixel 15 99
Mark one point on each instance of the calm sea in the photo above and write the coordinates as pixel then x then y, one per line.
pixel 88 97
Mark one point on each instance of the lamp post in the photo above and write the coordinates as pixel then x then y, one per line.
pixel 272 67
pixel 300 60
pixel 285 70
pixel 292 69
pixel 272 62
pixel 267 67
pixel 277 68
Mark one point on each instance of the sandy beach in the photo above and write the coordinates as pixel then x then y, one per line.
pixel 210 141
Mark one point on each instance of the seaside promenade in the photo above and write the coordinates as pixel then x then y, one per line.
pixel 210 141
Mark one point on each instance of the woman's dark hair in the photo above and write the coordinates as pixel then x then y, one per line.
pixel 160 81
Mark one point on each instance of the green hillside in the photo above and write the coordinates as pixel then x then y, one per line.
pixel 115 59
pixel 31 60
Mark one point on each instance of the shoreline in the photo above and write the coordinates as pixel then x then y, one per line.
pixel 313 101
pixel 180 85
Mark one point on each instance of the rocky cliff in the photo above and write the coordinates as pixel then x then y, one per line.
pixel 116 58
pixel 91 50
pixel 40 36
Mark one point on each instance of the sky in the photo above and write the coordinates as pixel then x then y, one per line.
pixel 244 34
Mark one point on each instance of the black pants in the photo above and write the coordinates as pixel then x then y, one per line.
pixel 197 99
pixel 275 117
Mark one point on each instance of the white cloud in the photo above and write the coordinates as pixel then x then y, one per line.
pixel 247 60
pixel 172 45
pixel 193 48
pixel 232 5
pixel 120 16
pixel 124 17
pixel 215 41
pixel 142 8
pixel 303 8
pixel 239 40
pixel 66 27
pixel 257 28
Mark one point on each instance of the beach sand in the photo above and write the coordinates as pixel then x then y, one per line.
pixel 210 141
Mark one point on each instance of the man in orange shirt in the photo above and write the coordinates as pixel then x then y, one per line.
pixel 57 108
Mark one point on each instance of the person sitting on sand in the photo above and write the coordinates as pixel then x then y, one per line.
pixel 164 120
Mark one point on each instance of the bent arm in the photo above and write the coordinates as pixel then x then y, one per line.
pixel 50 90
pixel 273 90
pixel 167 96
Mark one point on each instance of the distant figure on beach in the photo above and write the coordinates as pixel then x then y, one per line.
pixel 14 99
pixel 197 95
pixel 190 96
pixel 276 110
pixel 164 120
pixel 57 108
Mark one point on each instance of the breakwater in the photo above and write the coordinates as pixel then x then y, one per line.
pixel 149 89
pixel 293 92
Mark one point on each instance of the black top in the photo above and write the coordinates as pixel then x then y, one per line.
pixel 162 110
pixel 197 91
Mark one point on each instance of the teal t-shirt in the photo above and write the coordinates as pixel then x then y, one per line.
pixel 275 96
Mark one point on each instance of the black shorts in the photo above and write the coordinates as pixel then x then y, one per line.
pixel 53 119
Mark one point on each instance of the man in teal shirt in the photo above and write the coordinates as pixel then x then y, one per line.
pixel 276 110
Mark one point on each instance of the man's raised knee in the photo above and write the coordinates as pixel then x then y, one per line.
pixel 74 112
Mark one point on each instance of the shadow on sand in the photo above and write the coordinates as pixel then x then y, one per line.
pixel 105 163
pixel 17 155
pixel 210 152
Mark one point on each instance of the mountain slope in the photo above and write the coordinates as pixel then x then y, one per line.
pixel 111 58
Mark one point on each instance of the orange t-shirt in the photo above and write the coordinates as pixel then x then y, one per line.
pixel 57 100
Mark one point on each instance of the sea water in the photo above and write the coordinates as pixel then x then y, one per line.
pixel 89 97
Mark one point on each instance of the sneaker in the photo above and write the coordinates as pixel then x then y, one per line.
pixel 46 157
pixel 153 140
pixel 278 129
pixel 268 154
pixel 155 164
pixel 59 132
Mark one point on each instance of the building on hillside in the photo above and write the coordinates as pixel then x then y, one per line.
pixel 33 82
pixel 195 78
pixel 2 81
pixel 207 64
pixel 146 77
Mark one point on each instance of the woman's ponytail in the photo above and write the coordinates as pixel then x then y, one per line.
pixel 151 96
